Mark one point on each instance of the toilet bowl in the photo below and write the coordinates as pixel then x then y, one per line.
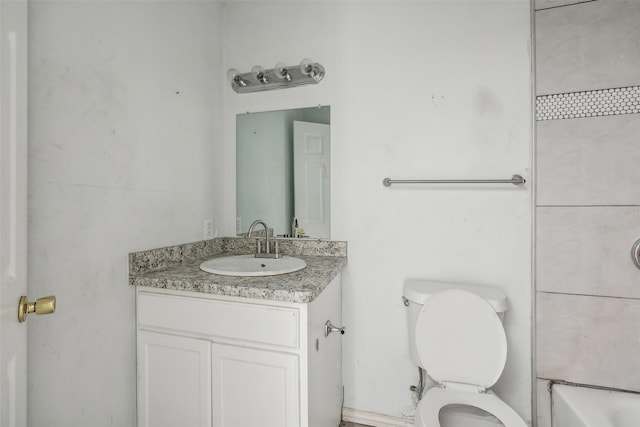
pixel 428 413
pixel 456 335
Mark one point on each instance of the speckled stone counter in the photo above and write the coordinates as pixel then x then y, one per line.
pixel 177 268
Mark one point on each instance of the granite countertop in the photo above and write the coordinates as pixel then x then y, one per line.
pixel 177 268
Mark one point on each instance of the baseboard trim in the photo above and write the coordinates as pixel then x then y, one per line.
pixel 375 420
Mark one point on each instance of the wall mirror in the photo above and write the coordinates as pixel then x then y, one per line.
pixel 283 171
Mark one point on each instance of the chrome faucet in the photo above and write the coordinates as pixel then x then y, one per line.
pixel 267 252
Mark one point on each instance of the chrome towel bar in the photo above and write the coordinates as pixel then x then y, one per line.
pixel 515 180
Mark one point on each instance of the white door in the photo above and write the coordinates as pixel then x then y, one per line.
pixel 13 211
pixel 311 173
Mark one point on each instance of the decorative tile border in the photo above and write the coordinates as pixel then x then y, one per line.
pixel 592 103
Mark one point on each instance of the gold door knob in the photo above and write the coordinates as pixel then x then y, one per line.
pixel 46 305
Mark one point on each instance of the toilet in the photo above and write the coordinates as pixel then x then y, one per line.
pixel 456 336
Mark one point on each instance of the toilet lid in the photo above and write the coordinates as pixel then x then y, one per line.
pixel 460 338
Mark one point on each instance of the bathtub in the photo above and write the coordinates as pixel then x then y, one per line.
pixel 589 407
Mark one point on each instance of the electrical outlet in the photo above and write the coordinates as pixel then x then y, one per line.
pixel 208 228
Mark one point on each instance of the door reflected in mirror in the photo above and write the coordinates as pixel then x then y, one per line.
pixel 283 171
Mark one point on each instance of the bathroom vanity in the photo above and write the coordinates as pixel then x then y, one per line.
pixel 238 351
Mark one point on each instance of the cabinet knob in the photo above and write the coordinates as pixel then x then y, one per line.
pixel 45 305
pixel 328 328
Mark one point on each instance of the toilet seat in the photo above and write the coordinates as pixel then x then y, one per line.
pixel 460 339
pixel 436 398
pixel 461 343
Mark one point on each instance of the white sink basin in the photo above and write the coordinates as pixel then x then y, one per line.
pixel 249 265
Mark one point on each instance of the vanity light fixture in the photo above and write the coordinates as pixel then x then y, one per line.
pixel 282 76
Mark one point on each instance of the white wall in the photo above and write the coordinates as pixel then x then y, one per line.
pixel 417 90
pixel 124 114
pixel 120 161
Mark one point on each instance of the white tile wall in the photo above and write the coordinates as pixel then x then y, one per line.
pixel 588 340
pixel 588 200
pixel 546 4
pixel 591 45
pixel 589 161
pixel 587 250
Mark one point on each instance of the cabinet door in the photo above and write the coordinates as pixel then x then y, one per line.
pixel 254 388
pixel 174 381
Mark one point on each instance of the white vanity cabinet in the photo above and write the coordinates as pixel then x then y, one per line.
pixel 215 361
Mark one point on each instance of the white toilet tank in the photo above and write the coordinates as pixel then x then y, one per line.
pixel 417 291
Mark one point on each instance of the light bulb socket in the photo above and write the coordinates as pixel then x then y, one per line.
pixel 234 76
pixel 307 67
pixel 281 71
pixel 260 74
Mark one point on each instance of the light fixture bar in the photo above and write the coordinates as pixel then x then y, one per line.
pixel 270 80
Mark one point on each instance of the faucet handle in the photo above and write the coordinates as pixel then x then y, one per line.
pixel 259 250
